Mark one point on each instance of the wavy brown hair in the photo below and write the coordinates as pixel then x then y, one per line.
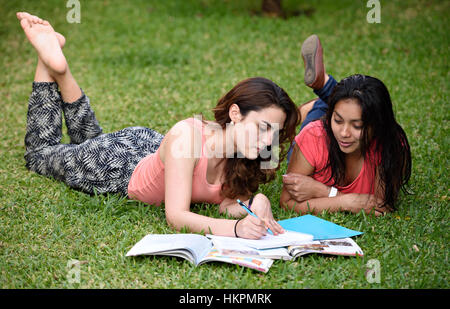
pixel 243 176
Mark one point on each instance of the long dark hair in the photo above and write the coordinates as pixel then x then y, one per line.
pixel 380 132
pixel 243 176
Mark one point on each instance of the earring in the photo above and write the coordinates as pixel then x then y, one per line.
pixel 232 122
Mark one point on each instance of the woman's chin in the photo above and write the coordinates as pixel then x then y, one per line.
pixel 348 150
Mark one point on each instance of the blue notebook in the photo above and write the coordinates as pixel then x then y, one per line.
pixel 319 228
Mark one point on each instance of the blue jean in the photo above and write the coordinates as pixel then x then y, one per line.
pixel 319 108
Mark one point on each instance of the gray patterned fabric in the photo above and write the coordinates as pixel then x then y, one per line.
pixel 93 161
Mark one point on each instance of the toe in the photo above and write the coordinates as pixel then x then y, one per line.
pixel 25 23
pixel 21 15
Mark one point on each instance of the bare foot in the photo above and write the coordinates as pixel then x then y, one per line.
pixel 35 19
pixel 45 40
pixel 306 107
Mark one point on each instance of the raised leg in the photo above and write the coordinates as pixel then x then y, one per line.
pixel 316 78
pixel 52 64
pixel 52 67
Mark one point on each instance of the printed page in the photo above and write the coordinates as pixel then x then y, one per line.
pixel 341 246
pixel 195 246
pixel 288 238
pixel 259 264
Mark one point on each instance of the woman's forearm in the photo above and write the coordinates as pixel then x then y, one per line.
pixel 319 189
pixel 316 205
pixel 201 224
pixel 351 202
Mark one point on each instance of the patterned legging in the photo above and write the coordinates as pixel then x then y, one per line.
pixel 93 161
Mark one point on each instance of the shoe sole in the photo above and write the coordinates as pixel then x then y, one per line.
pixel 309 51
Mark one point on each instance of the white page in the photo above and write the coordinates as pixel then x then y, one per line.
pixel 198 245
pixel 288 238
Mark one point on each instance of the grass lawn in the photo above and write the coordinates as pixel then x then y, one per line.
pixel 153 63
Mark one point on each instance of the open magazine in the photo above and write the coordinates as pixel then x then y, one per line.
pixel 195 248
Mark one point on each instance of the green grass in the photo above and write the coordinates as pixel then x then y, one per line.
pixel 153 63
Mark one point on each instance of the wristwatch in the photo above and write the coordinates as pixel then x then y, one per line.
pixel 333 192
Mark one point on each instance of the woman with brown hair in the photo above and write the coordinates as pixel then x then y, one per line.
pixel 215 162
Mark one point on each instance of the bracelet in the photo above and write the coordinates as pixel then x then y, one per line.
pixel 333 192
pixel 235 234
pixel 250 202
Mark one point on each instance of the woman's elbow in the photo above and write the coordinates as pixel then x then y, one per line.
pixel 173 220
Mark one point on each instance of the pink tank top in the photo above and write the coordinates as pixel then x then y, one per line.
pixel 147 181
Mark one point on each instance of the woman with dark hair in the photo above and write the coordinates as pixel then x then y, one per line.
pixel 196 161
pixel 356 157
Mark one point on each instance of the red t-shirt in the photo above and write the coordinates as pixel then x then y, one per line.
pixel 312 141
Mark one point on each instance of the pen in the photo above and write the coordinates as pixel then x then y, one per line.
pixel 251 213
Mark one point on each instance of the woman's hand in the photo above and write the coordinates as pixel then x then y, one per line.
pixel 356 202
pixel 251 228
pixel 262 208
pixel 302 188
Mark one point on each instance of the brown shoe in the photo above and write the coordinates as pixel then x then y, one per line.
pixel 312 54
